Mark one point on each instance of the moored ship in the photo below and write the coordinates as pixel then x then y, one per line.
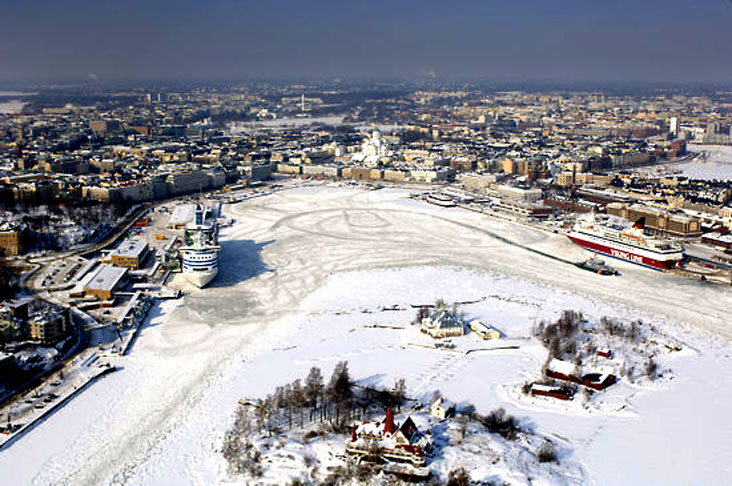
pixel 631 244
pixel 200 248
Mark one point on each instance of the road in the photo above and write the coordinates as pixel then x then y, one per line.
pixel 117 233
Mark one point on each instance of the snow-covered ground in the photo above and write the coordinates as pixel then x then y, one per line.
pixel 299 267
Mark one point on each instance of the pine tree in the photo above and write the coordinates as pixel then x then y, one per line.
pixel 313 389
pixel 288 403
pixel 339 388
pixel 298 398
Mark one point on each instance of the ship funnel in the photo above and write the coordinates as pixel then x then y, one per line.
pixel 198 219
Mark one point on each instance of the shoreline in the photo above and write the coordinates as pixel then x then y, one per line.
pixel 10 439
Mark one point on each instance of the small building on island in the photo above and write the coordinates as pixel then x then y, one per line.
pixel 558 392
pixel 442 323
pixel 565 371
pixel 442 408
pixel 388 441
pixel 484 330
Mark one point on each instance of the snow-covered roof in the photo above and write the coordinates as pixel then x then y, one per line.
pixel 596 377
pixel 442 402
pixel 15 303
pixel 544 388
pixel 370 428
pixel 131 248
pixel 480 325
pixel 106 278
pixel 719 237
pixel 442 319
pixel 563 367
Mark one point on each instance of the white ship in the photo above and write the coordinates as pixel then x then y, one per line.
pixel 201 247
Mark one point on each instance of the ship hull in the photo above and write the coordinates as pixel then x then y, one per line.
pixel 625 255
pixel 201 279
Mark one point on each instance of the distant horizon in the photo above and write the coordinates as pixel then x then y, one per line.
pixel 224 82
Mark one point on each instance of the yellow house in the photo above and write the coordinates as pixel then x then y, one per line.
pixel 484 330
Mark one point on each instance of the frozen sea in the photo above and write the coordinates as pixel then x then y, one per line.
pixel 286 123
pixel 299 267
pixel 717 165
pixel 11 106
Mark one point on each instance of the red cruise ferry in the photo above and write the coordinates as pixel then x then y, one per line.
pixel 624 243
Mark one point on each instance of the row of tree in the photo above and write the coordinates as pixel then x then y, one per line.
pixel 301 403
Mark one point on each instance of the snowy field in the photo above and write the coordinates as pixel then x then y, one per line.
pixel 298 270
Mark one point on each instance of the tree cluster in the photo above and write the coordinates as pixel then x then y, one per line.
pixel 501 423
pixel 631 333
pixel 560 337
pixel 422 313
pixel 547 452
pixel 458 477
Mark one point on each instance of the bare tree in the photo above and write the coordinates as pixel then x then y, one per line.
pixel 242 422
pixel 399 393
pixel 262 415
pixel 268 410
pixel 422 313
pixel 232 451
pixel 651 369
pixel 462 421
pixel 547 452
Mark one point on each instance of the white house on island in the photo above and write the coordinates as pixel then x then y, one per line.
pixel 441 324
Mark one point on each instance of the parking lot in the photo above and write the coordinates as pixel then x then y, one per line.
pixel 64 272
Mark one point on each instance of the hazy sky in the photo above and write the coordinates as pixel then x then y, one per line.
pixel 608 40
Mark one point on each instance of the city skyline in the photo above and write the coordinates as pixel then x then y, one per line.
pixel 658 42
